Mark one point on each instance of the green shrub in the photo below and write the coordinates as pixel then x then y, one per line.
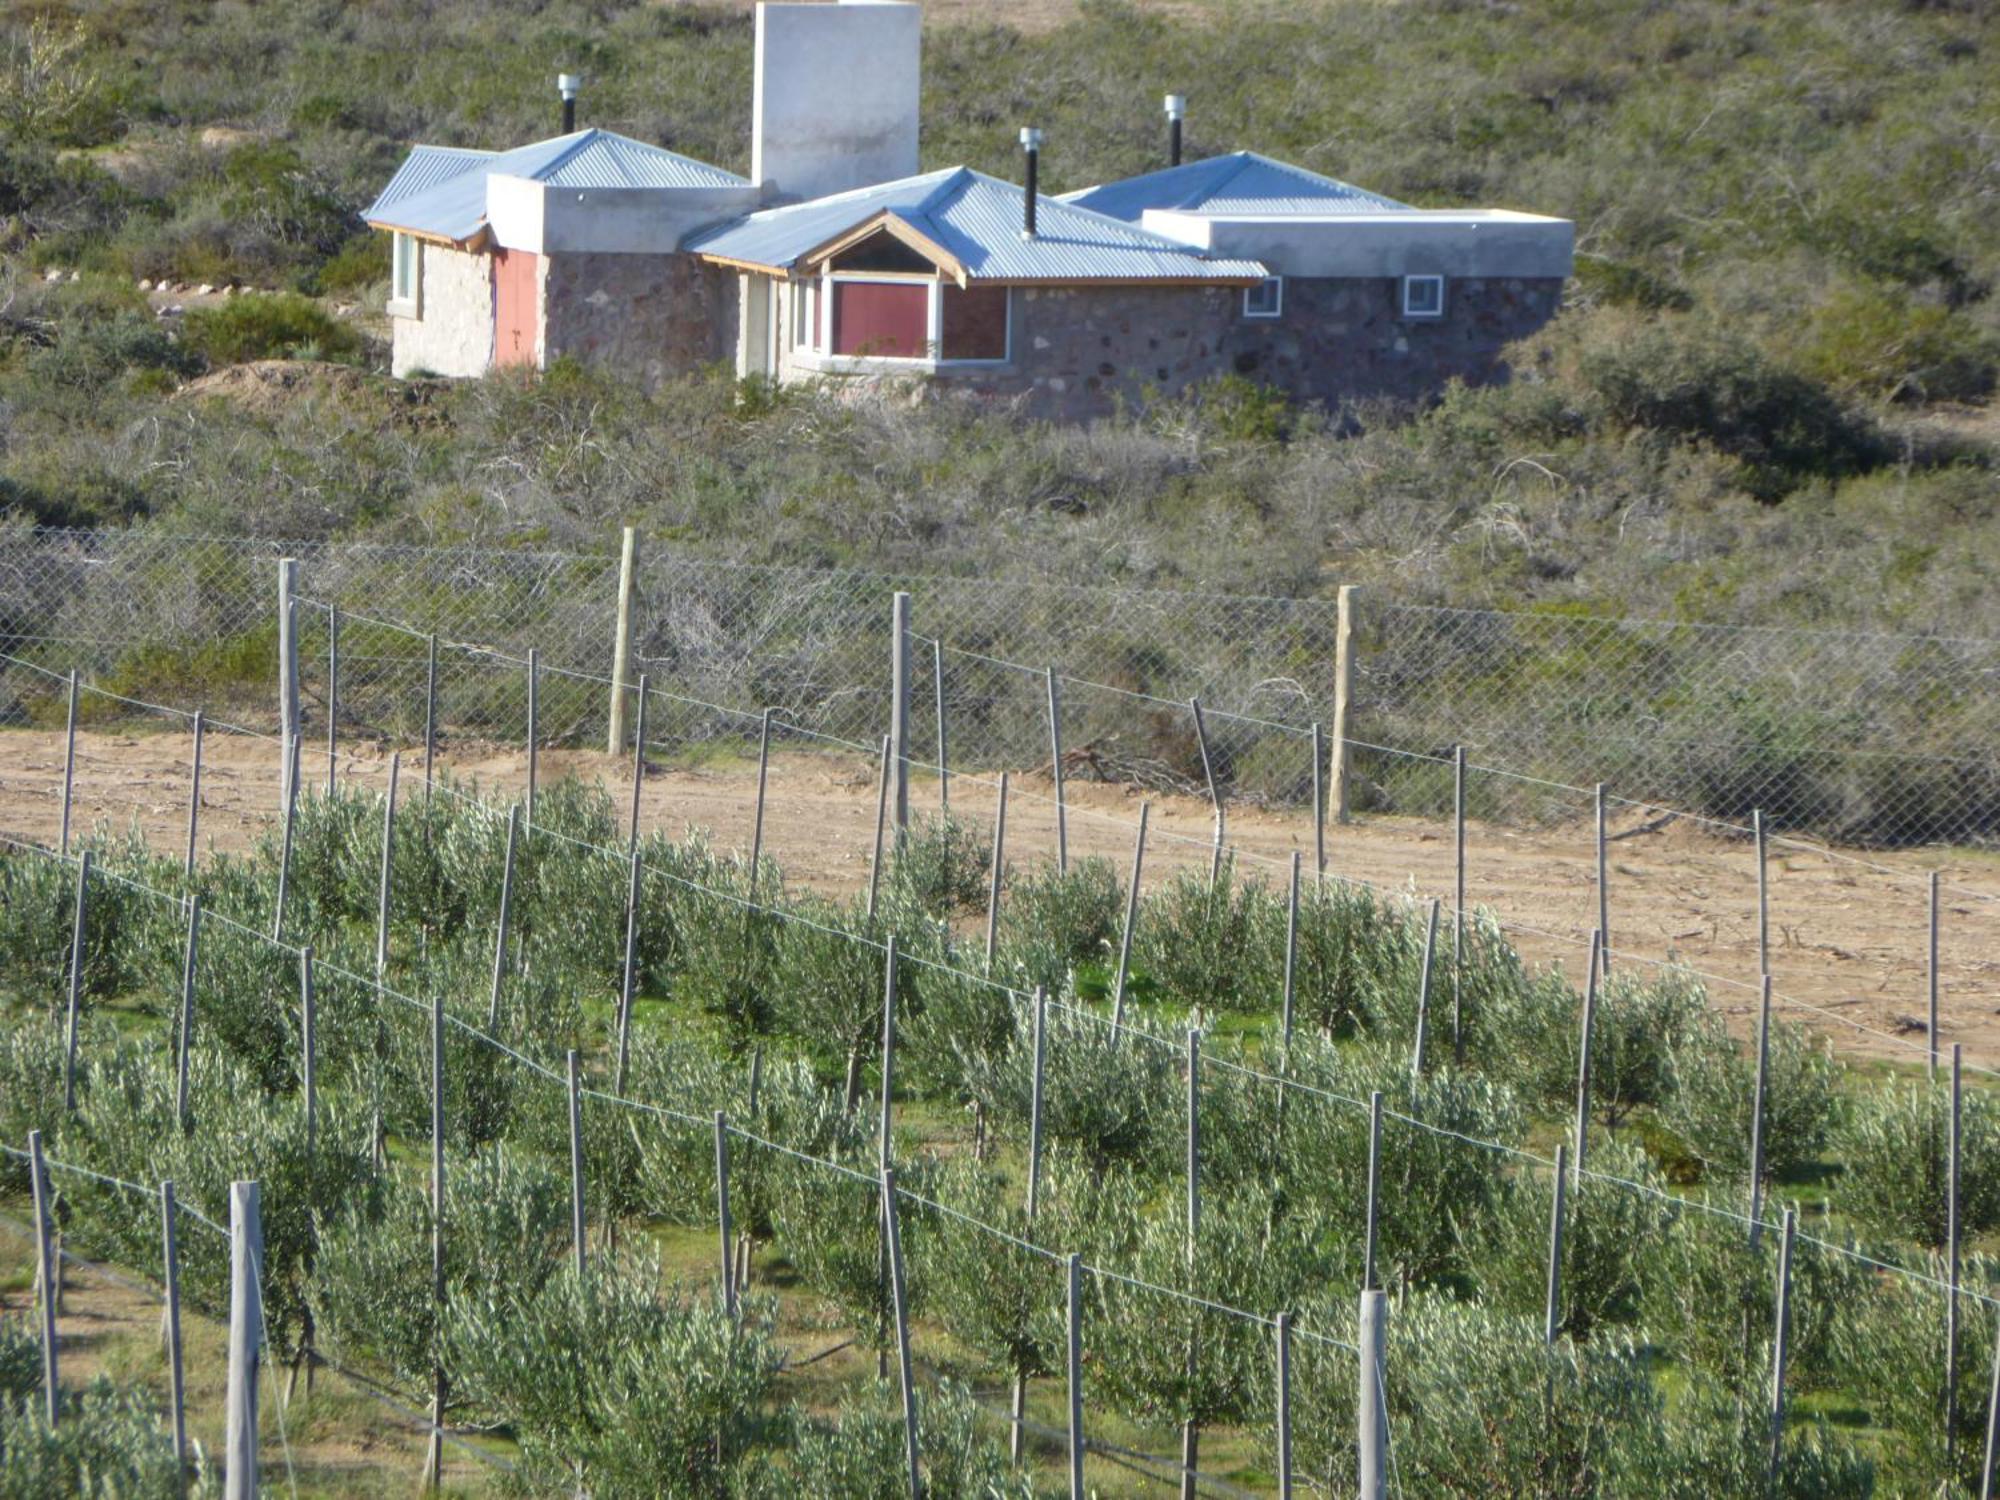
pixel 1895 1148
pixel 1713 1086
pixel 255 325
pixel 109 1444
pixel 943 865
pixel 1885 343
pixel 1212 945
pixel 1052 924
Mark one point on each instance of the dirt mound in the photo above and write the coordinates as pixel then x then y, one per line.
pixel 268 384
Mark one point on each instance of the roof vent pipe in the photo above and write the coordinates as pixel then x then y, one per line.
pixel 567 84
pixel 1176 111
pixel 1031 142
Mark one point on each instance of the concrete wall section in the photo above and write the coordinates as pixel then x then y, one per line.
pixel 1486 243
pixel 455 334
pixel 834 104
pixel 647 317
pixel 529 215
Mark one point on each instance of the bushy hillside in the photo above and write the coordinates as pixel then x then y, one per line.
pixel 1765 401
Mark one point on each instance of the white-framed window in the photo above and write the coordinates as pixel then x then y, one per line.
pixel 405 274
pixel 1423 296
pixel 1266 299
pixel 916 321
pixel 805 315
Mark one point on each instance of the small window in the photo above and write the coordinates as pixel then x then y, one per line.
pixel 1266 299
pixel 882 319
pixel 1423 296
pixel 974 323
pixel 404 260
pixel 804 320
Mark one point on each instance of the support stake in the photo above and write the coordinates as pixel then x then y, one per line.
pixel 246 1340
pixel 1131 920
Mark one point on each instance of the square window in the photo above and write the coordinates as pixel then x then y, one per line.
pixel 1423 296
pixel 975 323
pixel 1266 299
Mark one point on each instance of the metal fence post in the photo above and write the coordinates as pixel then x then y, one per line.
pixel 79 934
pixel 434 1456
pixel 1372 1409
pixel 899 704
pixel 1291 960
pixel 308 1048
pixel 1214 792
pixel 1374 1187
pixel 1056 772
pixel 388 861
pixel 186 1046
pixel 1954 1230
pixel 288 650
pixel 534 729
pixel 1781 1345
pixel 170 1283
pixel 629 983
pixel 1458 906
pixel 937 691
pixel 1074 1369
pixel 506 909
pixel 246 1339
pixel 1986 1464
pixel 430 711
pixel 888 1049
pixel 576 1224
pixel 1035 1101
pixel 332 699
pixel 1319 803
pixel 194 792
pixel 1931 977
pixel 69 766
pixel 285 841
pixel 1343 698
pixel 1191 1429
pixel 1757 1112
pixel 1587 1028
pixel 881 823
pixel 1131 920
pixel 892 1233
pixel 1284 1373
pixel 1552 1302
pixel 638 758
pixel 1758 836
pixel 1424 993
pixel 722 1214
pixel 621 644
pixel 999 868
pixel 45 1276
pixel 1603 881
pixel 763 779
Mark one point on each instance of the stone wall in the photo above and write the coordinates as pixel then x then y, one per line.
pixel 643 316
pixel 453 333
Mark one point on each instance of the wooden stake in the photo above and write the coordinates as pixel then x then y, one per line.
pixel 1131 920
pixel 621 645
pixel 999 867
pixel 246 1340
pixel 1056 772
pixel 45 1275
pixel 79 935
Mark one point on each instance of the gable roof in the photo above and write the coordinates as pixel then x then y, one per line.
pixel 970 224
pixel 1241 183
pixel 440 191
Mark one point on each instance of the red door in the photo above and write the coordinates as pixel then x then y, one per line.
pixel 516 306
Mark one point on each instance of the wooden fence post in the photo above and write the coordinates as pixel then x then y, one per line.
pixel 246 1339
pixel 621 645
pixel 1343 698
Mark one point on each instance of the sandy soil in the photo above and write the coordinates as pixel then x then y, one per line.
pixel 1848 936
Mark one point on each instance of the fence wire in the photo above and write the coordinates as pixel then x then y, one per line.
pixel 1875 739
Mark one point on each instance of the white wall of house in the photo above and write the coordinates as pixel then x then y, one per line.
pixel 1490 243
pixel 528 215
pixel 453 332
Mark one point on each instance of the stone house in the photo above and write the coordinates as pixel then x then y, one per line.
pixel 836 261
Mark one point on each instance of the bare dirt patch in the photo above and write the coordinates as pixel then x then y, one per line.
pixel 1847 937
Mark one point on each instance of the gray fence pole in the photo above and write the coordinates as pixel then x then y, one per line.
pixel 1757 1112
pixel 937 691
pixel 534 728
pixel 69 766
pixel 1056 772
pixel 1761 841
pixel 726 1235
pixel 899 705
pixel 1552 1302
pixel 638 758
pixel 246 1339
pixel 1035 1101
pixel 1424 993
pixel 756 1082
pixel 1603 881
pixel 1992 1427
pixel 506 911
pixel 1291 960
pixel 1587 1029
pixel 881 826
pixel 999 868
pixel 1372 1411
pixel 188 960
pixel 1374 1187
pixel 1074 1370
pixel 1131 919
pixel 1458 905
pixel 911 1447
pixel 621 644
pixel 285 841
pixel 194 792
pixel 763 781
pixel 1284 1337
pixel 430 713
pixel 170 1283
pixel 1343 699
pixel 1319 803
pixel 1191 1430
pixel 388 862
pixel 1781 1345
pixel 1954 1230
pixel 629 984
pixel 45 1275
pixel 576 1223
pixel 332 700
pixel 308 1048
pixel 888 1049
pixel 1214 792
pixel 1931 977
pixel 288 650
pixel 79 934
pixel 434 1455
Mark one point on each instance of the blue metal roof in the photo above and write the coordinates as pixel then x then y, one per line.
pixel 1241 183
pixel 976 220
pixel 451 204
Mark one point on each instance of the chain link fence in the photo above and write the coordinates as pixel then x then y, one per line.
pixel 1863 738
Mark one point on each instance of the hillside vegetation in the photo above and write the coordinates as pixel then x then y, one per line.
pixel 1766 400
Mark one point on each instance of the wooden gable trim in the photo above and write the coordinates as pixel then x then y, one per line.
pixel 896 228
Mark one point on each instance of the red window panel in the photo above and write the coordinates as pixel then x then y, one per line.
pixel 890 320
pixel 975 322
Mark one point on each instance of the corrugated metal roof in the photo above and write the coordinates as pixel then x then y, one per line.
pixel 453 205
pixel 424 168
pixel 977 220
pixel 1242 182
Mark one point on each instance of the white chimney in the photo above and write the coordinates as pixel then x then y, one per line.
pixel 836 97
